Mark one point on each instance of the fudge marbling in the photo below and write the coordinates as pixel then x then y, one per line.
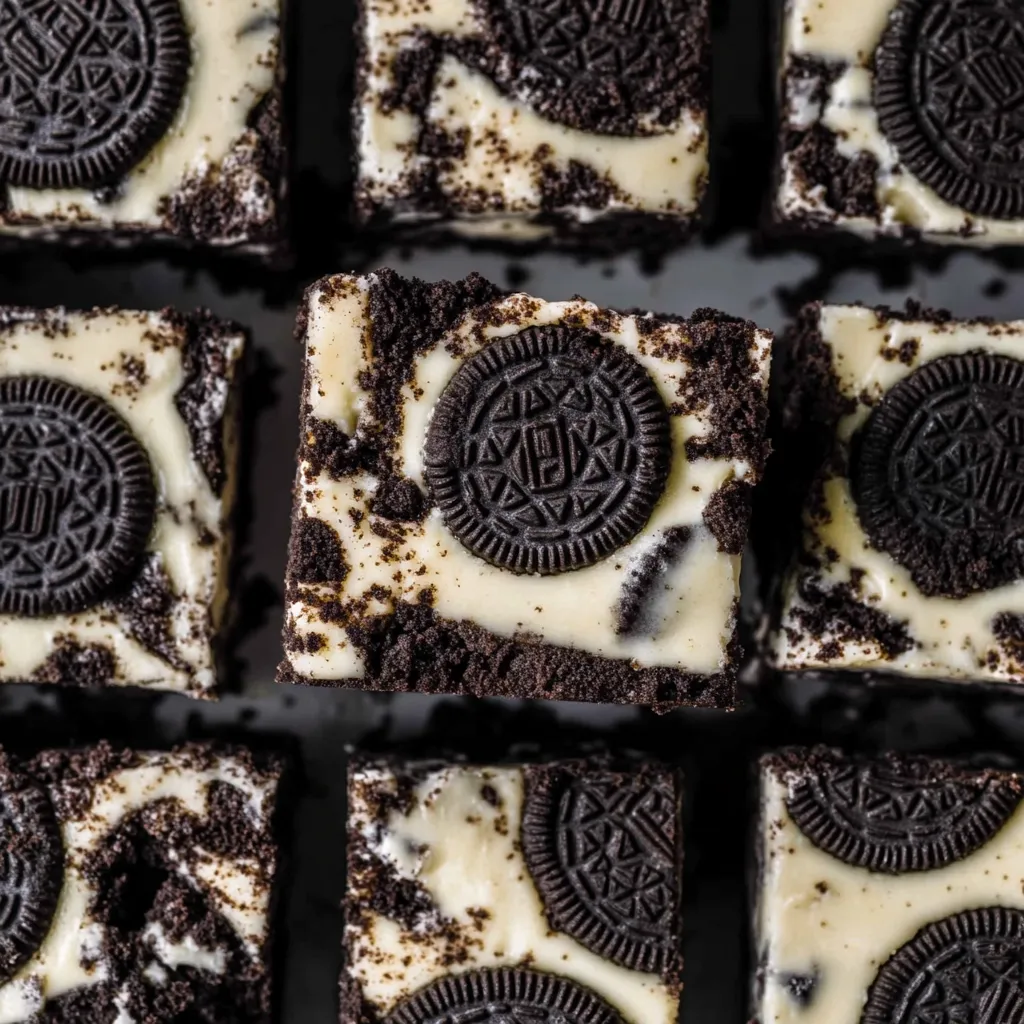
pixel 132 120
pixel 517 120
pixel 911 559
pixel 546 892
pixel 888 890
pixel 137 886
pixel 901 118
pixel 117 481
pixel 503 495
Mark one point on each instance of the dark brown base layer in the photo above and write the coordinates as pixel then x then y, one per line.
pixel 414 651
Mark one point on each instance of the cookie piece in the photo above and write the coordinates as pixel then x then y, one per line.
pixel 506 496
pixel 901 119
pixel 77 497
pixel 86 90
pixel 911 560
pixel 453 910
pixel 171 864
pixel 134 121
pixel 932 935
pixel 548 450
pixel 117 483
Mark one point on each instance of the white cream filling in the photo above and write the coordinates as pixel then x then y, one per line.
pixel 70 957
pixel 465 853
pixel 187 953
pixel 508 144
pixel 90 351
pixel 233 67
pixel 818 915
pixel 954 637
pixel 835 30
pixel 691 622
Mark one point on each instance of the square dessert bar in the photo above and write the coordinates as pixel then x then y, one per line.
pixel 887 890
pixel 138 886
pixel 505 496
pixel 529 893
pixel 133 120
pixel 118 435
pixel 517 120
pixel 899 118
pixel 912 559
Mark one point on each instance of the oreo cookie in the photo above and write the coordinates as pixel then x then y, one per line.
pixel 601 848
pixel 31 866
pixel 77 497
pixel 87 87
pixel 949 93
pixel 602 65
pixel 511 995
pixel 938 474
pixel 967 967
pixel 899 815
pixel 548 450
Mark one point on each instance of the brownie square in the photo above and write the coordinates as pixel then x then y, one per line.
pixel 887 890
pixel 141 120
pixel 519 122
pixel 898 120
pixel 500 495
pixel 911 558
pixel 118 436
pixel 138 886
pixel 553 891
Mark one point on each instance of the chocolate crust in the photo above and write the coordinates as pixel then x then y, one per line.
pixel 416 651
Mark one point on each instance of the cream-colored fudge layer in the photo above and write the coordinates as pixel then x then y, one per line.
pixel 135 362
pixel 235 47
pixel 458 841
pixel 496 187
pixel 952 638
pixel 839 31
pixel 72 955
pixel 693 618
pixel 821 918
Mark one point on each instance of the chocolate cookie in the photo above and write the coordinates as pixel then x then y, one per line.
pixel 548 450
pixel 938 474
pixel 600 65
pixel 77 497
pixel 900 814
pixel 86 87
pixel 602 853
pixel 31 864
pixel 504 996
pixel 949 91
pixel 967 967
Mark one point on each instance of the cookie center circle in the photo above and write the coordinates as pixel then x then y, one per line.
pixel 939 476
pixel 86 87
pixel 76 497
pixel 548 450
pixel 949 91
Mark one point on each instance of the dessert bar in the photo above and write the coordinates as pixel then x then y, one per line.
pixel 518 120
pixel 887 890
pixel 117 481
pixel 912 559
pixel 137 886
pixel 900 119
pixel 513 893
pixel 500 495
pixel 132 120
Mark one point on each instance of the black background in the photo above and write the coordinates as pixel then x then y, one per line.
pixel 732 268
